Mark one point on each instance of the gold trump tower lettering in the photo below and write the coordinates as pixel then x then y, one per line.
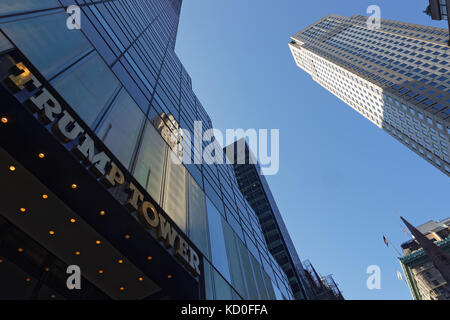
pixel 66 129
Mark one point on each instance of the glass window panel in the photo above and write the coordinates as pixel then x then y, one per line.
pixel 235 262
pixel 213 196
pixel 282 288
pixel 269 286
pixel 150 162
pixel 122 71
pixel 46 41
pixel 175 203
pixel 198 226
pixel 222 288
pixel 218 248
pixel 121 128
pixel 87 87
pixel 259 278
pixel 4 43
pixel 278 295
pixel 16 6
pixel 195 172
pixel 248 271
pixel 107 26
pixel 209 281
pixel 234 223
pixel 252 246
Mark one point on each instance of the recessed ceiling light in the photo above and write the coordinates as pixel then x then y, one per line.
pixel 102 213
pixel 127 236
pixel 23 210
pixel 74 186
pixel 4 120
pixel 72 220
pixel 44 196
pixel 169 276
pixel 122 288
pixel 41 155
pixel 51 232
pixel 20 250
pixel 12 168
pixel 100 271
pixel 141 279
pixel 77 253
pixel 149 258
pixel 98 242
pixel 120 261
pixel 27 279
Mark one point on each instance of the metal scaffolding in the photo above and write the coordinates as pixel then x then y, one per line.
pixel 323 288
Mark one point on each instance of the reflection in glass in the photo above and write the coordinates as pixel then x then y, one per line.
pixel 198 226
pixel 209 281
pixel 235 263
pixel 15 6
pixel 222 288
pixel 175 192
pixel 218 248
pixel 45 40
pixel 121 128
pixel 150 162
pixel 87 87
pixel 248 272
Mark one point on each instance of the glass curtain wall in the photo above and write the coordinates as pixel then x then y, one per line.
pixel 120 73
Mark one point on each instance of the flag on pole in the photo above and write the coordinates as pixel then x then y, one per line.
pixel 399 276
pixel 386 241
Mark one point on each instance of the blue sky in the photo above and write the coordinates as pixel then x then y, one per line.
pixel 341 179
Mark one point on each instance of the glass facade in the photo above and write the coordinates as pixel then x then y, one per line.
pixel 396 76
pixel 120 74
pixel 254 187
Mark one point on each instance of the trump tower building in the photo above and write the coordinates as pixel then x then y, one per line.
pixel 92 95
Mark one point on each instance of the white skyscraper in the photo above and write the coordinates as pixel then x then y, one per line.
pixel 396 76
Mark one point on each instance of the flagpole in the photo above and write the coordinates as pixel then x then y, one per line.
pixel 399 254
pixel 395 254
pixel 387 241
pixel 407 233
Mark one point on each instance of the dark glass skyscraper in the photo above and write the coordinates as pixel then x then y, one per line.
pixel 255 189
pixel 89 124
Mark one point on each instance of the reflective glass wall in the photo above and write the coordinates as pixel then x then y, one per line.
pixel 120 73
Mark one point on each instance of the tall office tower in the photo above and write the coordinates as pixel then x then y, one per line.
pixel 256 190
pixel 89 125
pixel 424 279
pixel 396 76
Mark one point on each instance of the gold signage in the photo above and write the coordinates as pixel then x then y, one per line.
pixel 170 130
